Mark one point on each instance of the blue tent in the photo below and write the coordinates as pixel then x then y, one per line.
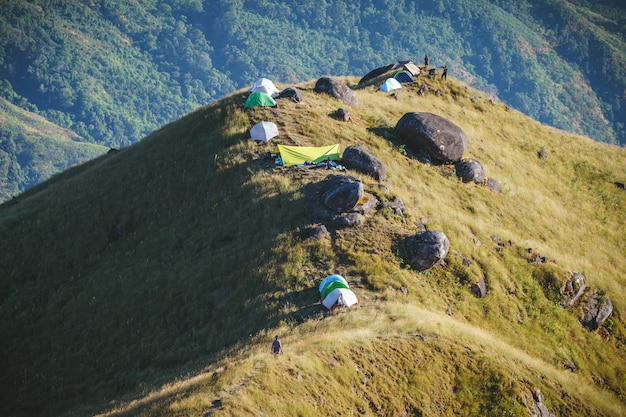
pixel 390 84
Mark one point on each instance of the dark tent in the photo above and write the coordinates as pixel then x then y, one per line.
pixel 405 65
pixel 404 77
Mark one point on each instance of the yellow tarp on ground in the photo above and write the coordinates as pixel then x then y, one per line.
pixel 296 155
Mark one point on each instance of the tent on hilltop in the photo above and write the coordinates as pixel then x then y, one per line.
pixel 264 131
pixel 404 76
pixel 299 155
pixel 390 84
pixel 335 292
pixel 403 65
pixel 264 85
pixel 259 99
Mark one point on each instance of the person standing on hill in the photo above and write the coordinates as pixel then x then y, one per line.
pixel 444 74
pixel 277 346
pixel 426 60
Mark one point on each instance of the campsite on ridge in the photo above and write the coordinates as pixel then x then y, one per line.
pixel 150 281
pixel 111 72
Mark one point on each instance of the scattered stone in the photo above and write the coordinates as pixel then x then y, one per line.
pixel 349 220
pixel 492 184
pixel 426 249
pixel 343 114
pixel 318 231
pixel 535 405
pixel 290 93
pixel 620 185
pixel 542 154
pixel 479 289
pixel 570 365
pixel 396 205
pixel 470 170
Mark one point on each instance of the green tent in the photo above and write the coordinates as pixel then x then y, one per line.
pixel 298 155
pixel 259 99
pixel 328 288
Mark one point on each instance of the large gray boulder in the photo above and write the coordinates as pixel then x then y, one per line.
pixel 336 89
pixel 426 249
pixel 360 159
pixel 341 193
pixel 432 137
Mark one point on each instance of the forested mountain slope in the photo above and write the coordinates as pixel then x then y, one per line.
pixel 112 71
pixel 32 149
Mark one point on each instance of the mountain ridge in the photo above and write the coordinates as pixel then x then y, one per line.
pixel 150 281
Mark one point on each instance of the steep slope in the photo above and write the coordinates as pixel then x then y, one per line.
pixel 151 281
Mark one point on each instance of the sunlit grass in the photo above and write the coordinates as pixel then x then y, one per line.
pixel 151 282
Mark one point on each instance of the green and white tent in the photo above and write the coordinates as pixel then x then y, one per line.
pixel 299 155
pixel 259 99
pixel 335 292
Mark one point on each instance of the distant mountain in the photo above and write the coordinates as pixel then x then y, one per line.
pixel 113 71
pixel 32 149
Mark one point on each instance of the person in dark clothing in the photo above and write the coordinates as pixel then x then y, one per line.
pixel 426 60
pixel 277 346
pixel 444 74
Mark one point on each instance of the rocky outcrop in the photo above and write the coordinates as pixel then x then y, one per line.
pixel 336 89
pixel 574 288
pixel 434 138
pixel 596 310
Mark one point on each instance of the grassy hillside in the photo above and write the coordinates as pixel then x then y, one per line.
pixel 32 149
pixel 151 281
